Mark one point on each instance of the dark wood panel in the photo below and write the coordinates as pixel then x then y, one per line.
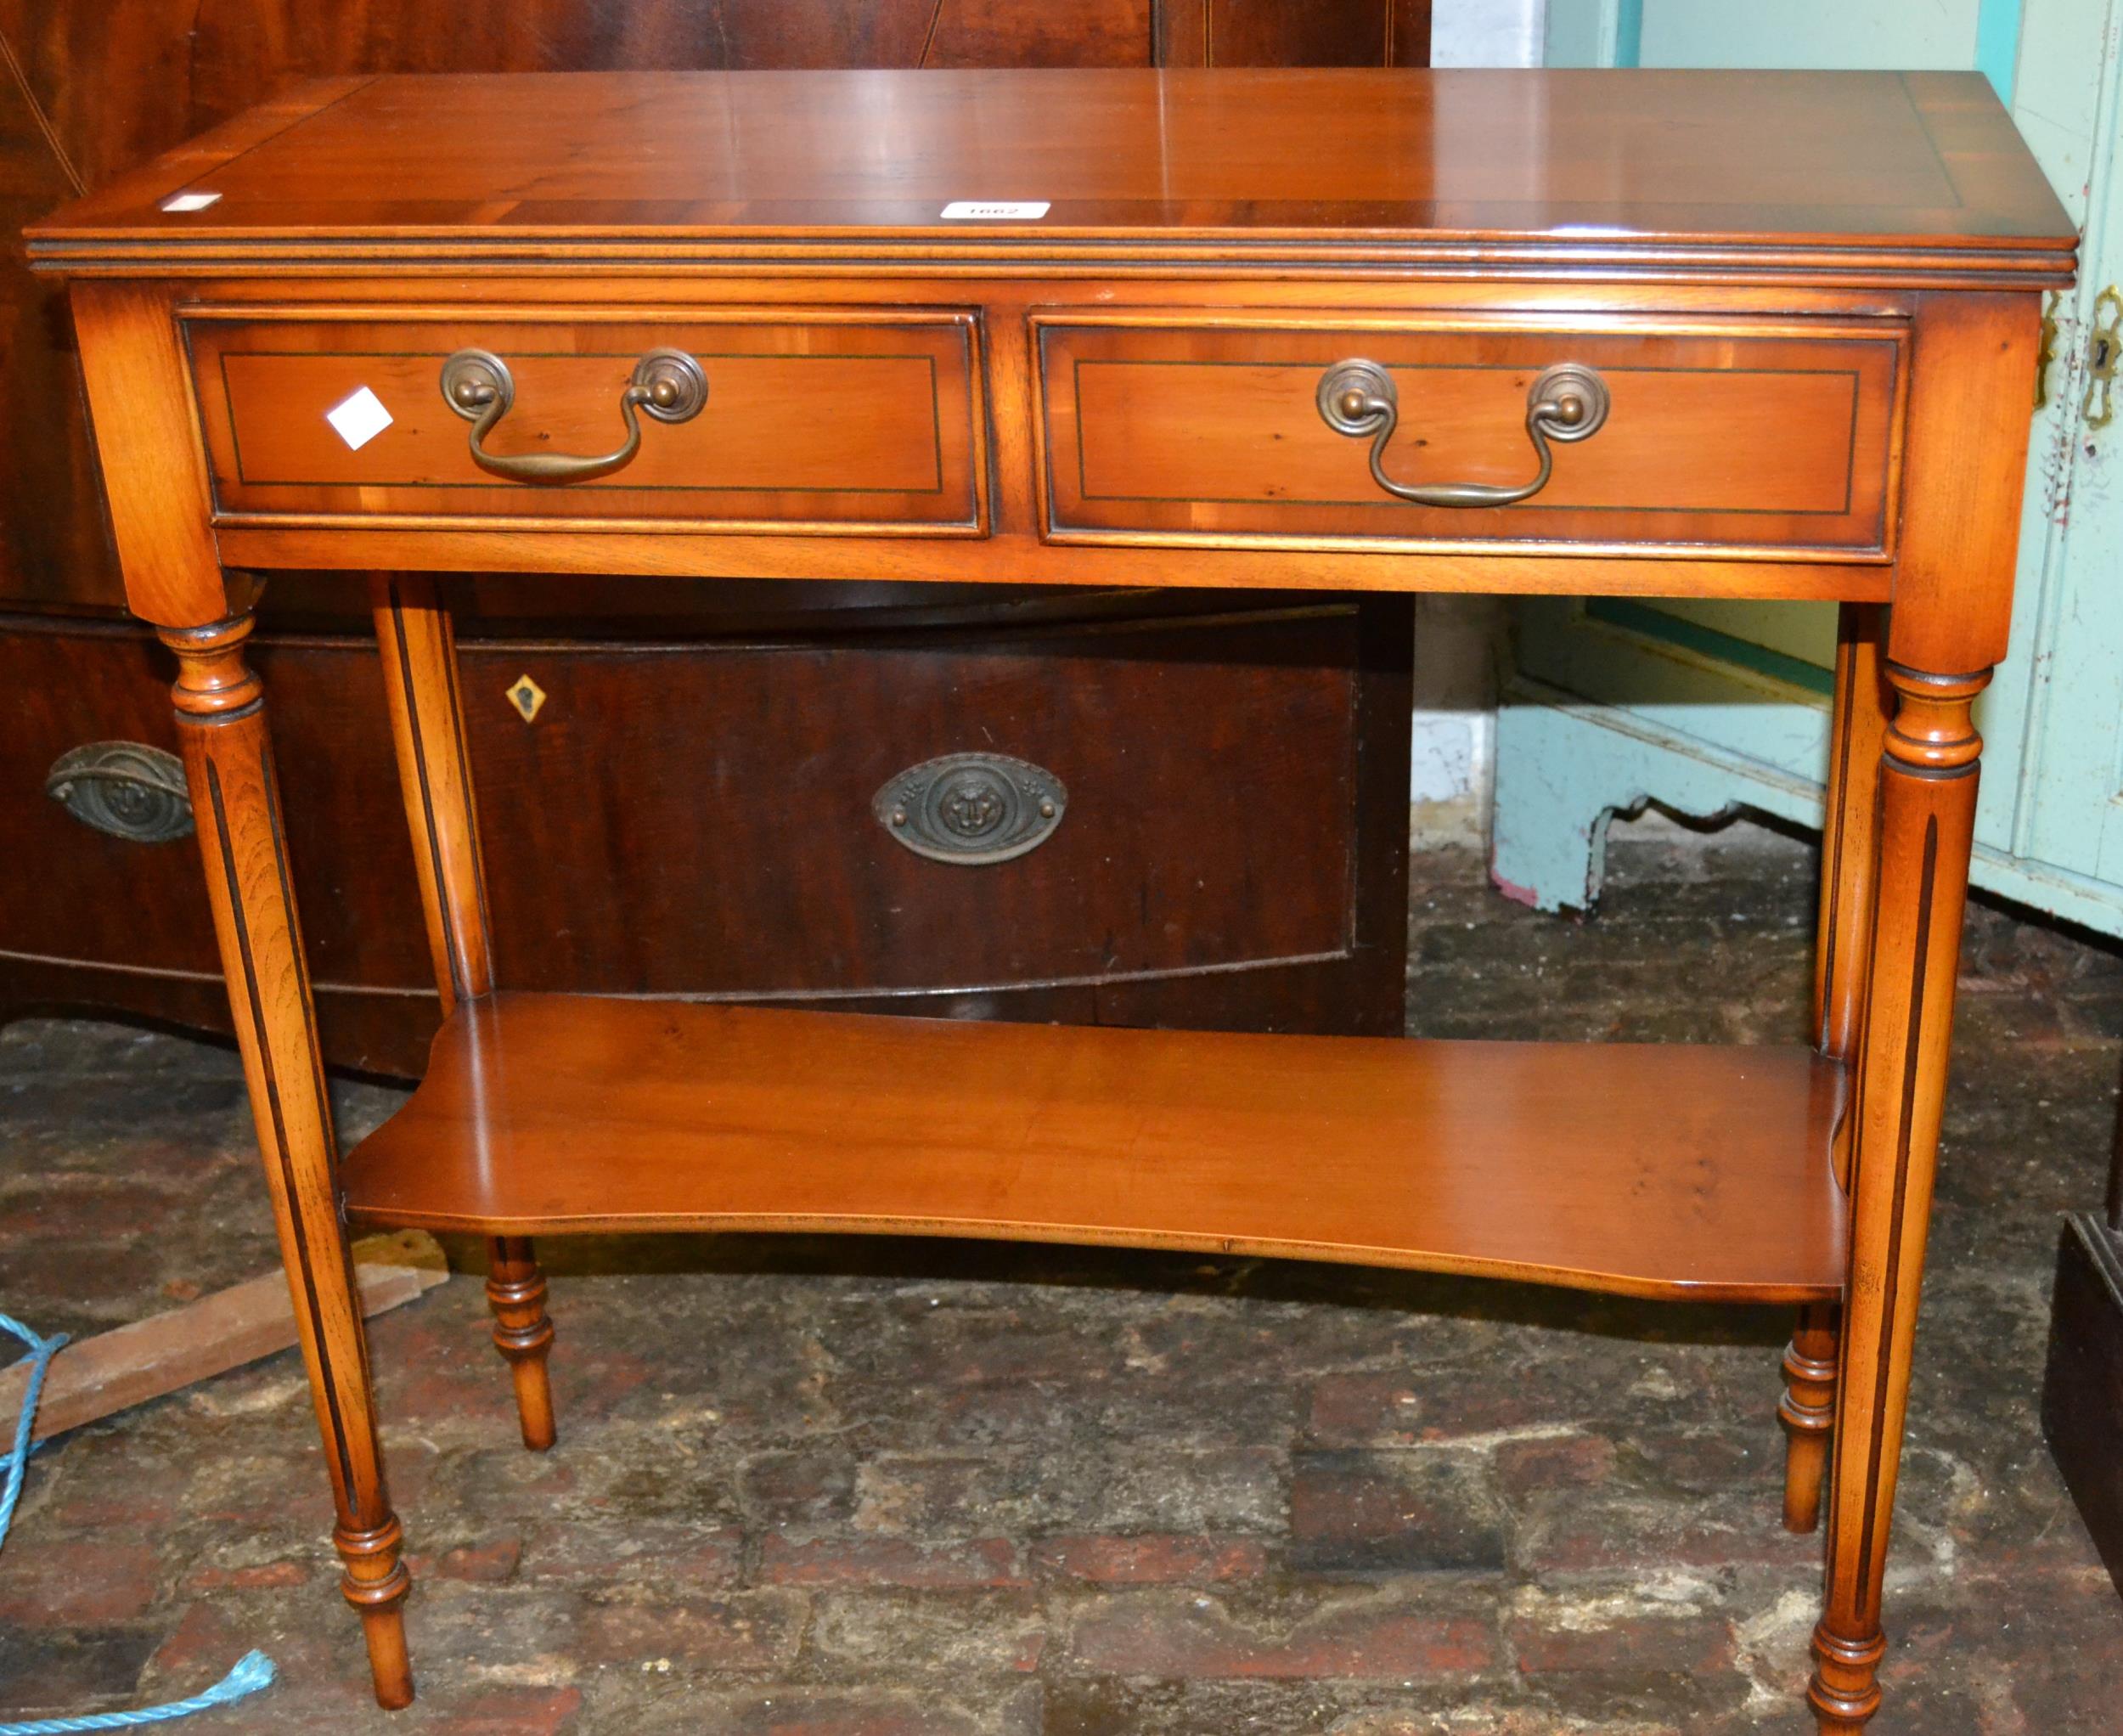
pixel 113 901
pixel 1246 33
pixel 1036 33
pixel 53 545
pixel 1648 1169
pixel 384 1034
pixel 714 800
pixel 1211 774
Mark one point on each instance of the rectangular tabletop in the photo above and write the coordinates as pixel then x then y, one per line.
pixel 1600 162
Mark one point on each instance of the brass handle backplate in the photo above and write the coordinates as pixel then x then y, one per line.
pixel 125 788
pixel 974 809
pixel 666 384
pixel 1567 402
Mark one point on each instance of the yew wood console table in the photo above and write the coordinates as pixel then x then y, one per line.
pixel 1710 334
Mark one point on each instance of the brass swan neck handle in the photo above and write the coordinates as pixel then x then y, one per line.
pixel 667 384
pixel 1567 402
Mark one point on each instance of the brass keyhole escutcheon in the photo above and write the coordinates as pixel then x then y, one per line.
pixel 2098 409
pixel 2046 353
pixel 526 696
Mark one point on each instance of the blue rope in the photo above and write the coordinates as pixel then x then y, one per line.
pixel 252 1672
pixel 18 1457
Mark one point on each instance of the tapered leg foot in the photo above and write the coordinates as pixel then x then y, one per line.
pixel 375 1582
pixel 515 1289
pixel 1844 1692
pixel 236 804
pixel 1927 792
pixel 1808 1414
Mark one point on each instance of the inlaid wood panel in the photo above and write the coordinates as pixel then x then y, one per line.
pixel 1745 437
pixel 833 419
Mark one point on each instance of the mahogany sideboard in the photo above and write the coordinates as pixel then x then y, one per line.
pixel 1753 334
pixel 890 676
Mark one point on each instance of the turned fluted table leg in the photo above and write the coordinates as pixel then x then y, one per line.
pixel 427 721
pixel 515 1290
pixel 1849 847
pixel 1927 813
pixel 1808 1411
pixel 235 796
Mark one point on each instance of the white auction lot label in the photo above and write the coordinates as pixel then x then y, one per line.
pixel 995 211
pixel 359 419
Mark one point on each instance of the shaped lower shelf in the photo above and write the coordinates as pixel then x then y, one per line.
pixel 1646 1169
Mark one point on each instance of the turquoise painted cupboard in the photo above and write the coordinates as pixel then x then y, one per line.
pixel 1706 708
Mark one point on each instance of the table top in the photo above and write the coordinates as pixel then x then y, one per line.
pixel 1627 166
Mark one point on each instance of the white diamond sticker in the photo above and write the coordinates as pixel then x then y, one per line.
pixel 359 419
pixel 189 202
pixel 995 211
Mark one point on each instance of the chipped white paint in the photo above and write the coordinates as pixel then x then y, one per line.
pixel 1487 32
pixel 1459 647
pixel 1810 33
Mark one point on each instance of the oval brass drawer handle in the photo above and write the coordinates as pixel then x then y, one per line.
pixel 668 384
pixel 1567 402
pixel 125 788
pixel 975 809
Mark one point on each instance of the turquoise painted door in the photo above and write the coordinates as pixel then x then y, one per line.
pixel 1707 707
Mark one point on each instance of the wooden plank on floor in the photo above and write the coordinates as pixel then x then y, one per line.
pixel 129 1365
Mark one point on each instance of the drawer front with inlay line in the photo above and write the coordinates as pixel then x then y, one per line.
pixel 1647 434
pixel 829 421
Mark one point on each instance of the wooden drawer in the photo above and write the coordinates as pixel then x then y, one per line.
pixel 690 810
pixel 1202 760
pixel 826 421
pixel 1740 435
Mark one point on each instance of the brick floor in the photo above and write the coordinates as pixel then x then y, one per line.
pixel 817 1488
